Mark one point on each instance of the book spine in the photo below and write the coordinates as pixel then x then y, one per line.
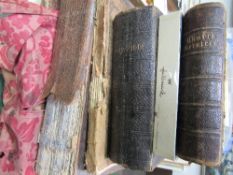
pixel 72 49
pixel 133 87
pixel 61 138
pixel 201 100
pixel 97 161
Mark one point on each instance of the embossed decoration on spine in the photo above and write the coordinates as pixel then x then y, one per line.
pixel 133 83
pixel 201 99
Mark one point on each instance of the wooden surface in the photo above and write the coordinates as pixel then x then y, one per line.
pixel 63 123
pixel 96 157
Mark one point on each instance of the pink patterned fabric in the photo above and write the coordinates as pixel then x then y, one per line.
pixel 26 40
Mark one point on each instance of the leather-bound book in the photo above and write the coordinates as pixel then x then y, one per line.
pixel 97 161
pixel 62 138
pixel 133 87
pixel 201 100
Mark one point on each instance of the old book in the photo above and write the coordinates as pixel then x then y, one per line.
pixel 167 85
pixel 60 142
pixel 201 100
pixel 70 67
pixel 134 59
pixel 186 5
pixel 97 161
pixel 226 166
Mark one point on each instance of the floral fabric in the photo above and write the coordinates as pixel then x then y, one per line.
pixel 1 91
pixel 26 40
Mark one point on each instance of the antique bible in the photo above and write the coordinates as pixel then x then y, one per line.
pixel 201 99
pixel 135 119
pixel 134 60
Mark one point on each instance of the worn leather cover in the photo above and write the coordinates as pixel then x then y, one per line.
pixel 201 100
pixel 133 87
pixel 61 140
pixel 97 161
pixel 72 49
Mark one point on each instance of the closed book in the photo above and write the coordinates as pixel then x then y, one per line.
pixel 134 60
pixel 201 99
pixel 167 85
pixel 97 161
pixel 62 138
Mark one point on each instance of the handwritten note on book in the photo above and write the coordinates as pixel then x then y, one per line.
pixel 167 85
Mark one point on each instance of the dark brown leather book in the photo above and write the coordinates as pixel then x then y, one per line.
pixel 133 87
pixel 201 100
pixel 97 161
